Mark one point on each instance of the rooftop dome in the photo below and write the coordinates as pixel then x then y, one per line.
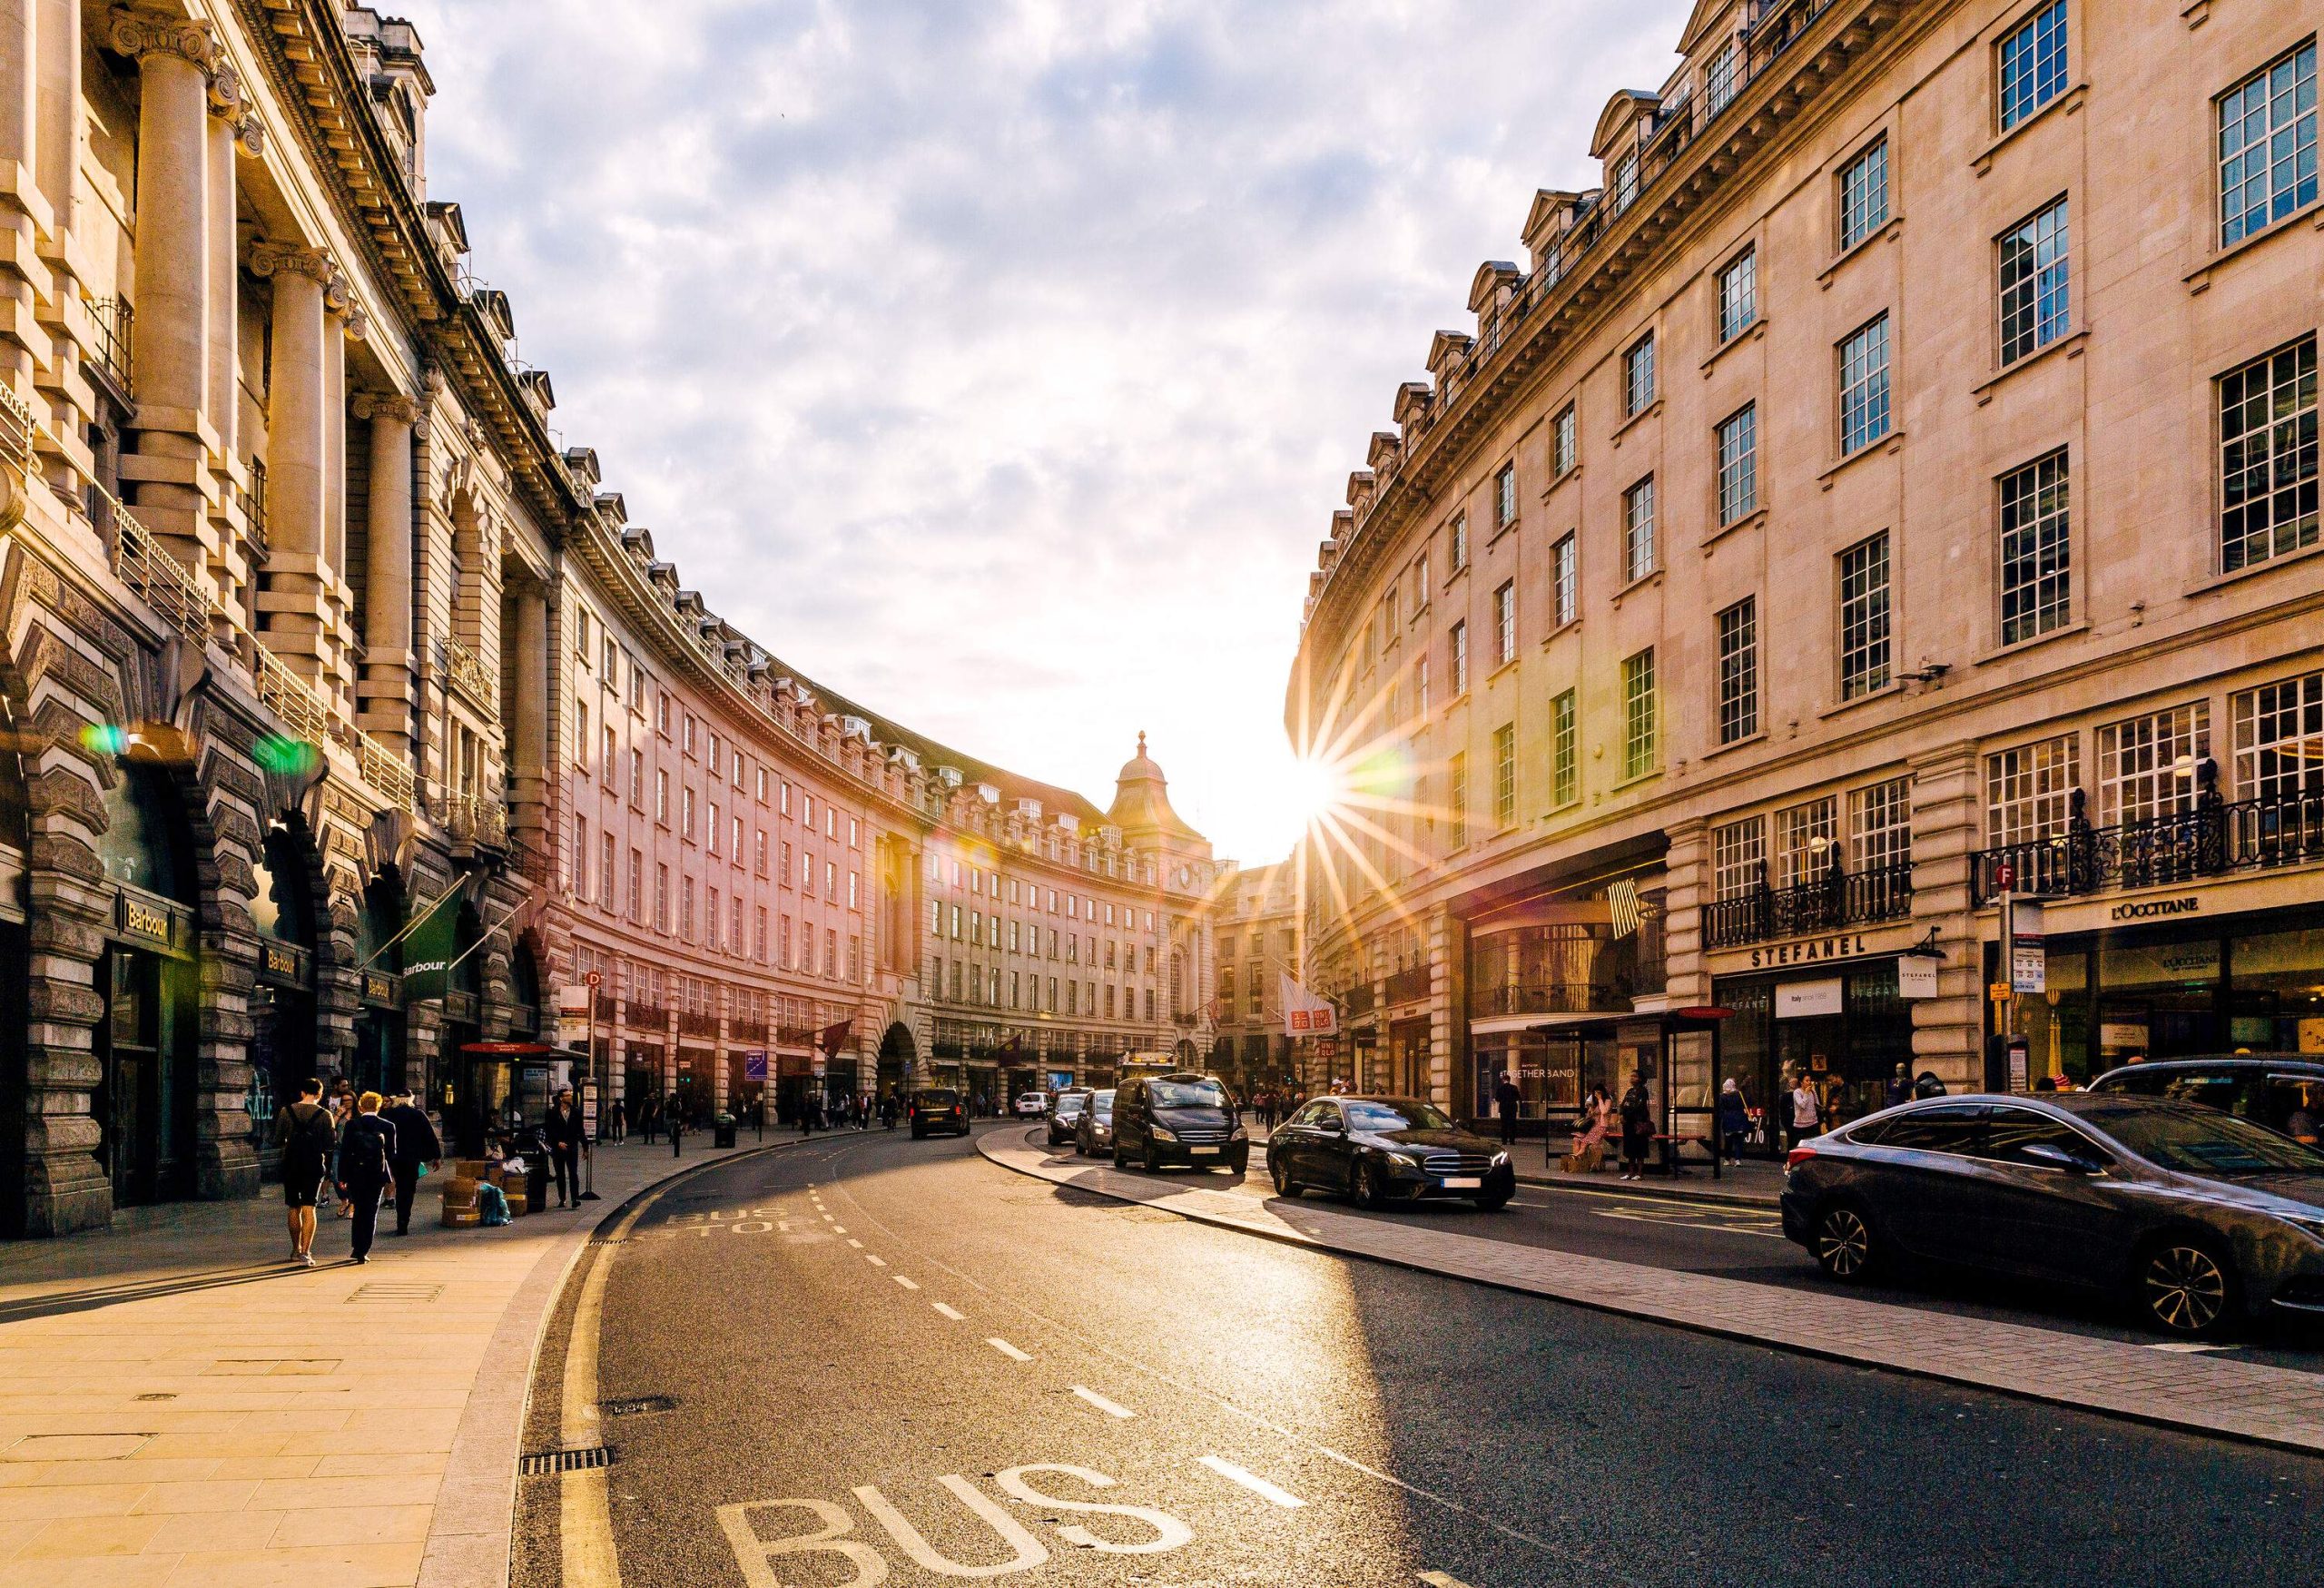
pixel 1142 798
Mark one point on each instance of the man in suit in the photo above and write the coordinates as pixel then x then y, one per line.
pixel 366 1148
pixel 416 1144
pixel 562 1131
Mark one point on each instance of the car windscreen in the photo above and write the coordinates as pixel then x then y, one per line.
pixel 936 1099
pixel 1380 1118
pixel 2198 1141
pixel 1102 1105
pixel 1187 1094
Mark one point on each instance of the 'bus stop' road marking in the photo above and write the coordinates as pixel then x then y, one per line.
pixel 1253 1482
pixel 1007 1350
pixel 1111 1408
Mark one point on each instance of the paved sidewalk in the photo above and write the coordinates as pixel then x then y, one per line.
pixel 178 1407
pixel 2186 1390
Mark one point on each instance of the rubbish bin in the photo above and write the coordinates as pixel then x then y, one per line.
pixel 723 1131
pixel 536 1181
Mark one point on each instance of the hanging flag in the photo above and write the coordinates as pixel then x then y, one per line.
pixel 832 1038
pixel 1304 1013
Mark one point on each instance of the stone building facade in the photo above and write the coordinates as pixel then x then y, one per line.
pixel 1255 932
pixel 1891 483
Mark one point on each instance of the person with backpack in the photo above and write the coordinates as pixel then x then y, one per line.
pixel 366 1148
pixel 304 1131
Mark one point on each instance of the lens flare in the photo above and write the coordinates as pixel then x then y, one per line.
pixel 286 756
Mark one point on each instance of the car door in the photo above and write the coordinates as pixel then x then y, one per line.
pixel 1333 1157
pixel 1130 1130
pixel 1294 1144
pixel 2040 1218
pixel 1918 1180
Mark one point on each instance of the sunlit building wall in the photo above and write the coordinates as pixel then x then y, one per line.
pixel 1895 475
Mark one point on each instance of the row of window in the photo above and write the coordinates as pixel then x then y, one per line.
pixel 975 928
pixel 981 882
pixel 977 984
pixel 644 983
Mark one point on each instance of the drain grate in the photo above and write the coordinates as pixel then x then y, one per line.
pixel 542 1462
pixel 636 1404
pixel 380 1291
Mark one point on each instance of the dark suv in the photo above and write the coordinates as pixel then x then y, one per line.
pixel 933 1108
pixel 2284 1091
pixel 1184 1117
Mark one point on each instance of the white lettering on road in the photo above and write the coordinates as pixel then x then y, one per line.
pixel 1253 1482
pixel 1169 1532
pixel 954 1313
pixel 907 1284
pixel 751 1226
pixel 756 1555
pixel 1029 1550
pixel 1007 1350
pixel 1111 1408
pixel 1442 1580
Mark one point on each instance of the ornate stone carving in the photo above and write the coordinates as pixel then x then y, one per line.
pixel 315 264
pixel 385 405
pixel 226 93
pixel 153 32
pixel 248 135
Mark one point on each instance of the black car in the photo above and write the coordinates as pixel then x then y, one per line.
pixel 1065 1113
pixel 1183 1117
pixel 933 1108
pixel 2284 1091
pixel 1093 1136
pixel 2198 1217
pixel 1383 1149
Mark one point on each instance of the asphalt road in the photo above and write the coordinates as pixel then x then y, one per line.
pixel 1282 1416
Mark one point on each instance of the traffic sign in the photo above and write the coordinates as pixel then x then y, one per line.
pixel 2004 876
pixel 1998 991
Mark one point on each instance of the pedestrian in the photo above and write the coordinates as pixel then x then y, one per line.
pixel 562 1131
pixel 342 1113
pixel 308 1141
pixel 807 1113
pixel 888 1112
pixel 1638 1128
pixel 1900 1085
pixel 367 1150
pixel 1807 1110
pixel 1926 1085
pixel 416 1147
pixel 617 1121
pixel 1506 1098
pixel 649 1119
pixel 1734 1118
pixel 1591 1124
pixel 674 1115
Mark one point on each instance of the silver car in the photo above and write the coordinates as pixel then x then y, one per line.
pixel 2200 1218
pixel 1093 1135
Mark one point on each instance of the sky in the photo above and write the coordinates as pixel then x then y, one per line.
pixel 999 363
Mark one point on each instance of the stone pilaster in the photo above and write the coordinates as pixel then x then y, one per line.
pixel 1947 817
pixel 532 749
pixel 386 691
pixel 1447 940
pixel 1686 877
pixel 293 600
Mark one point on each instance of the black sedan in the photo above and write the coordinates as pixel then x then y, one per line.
pixel 2198 1216
pixel 1065 1114
pixel 1093 1132
pixel 1383 1149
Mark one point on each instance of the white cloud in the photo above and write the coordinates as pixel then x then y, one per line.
pixel 1000 364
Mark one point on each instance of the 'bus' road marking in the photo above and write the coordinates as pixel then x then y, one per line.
pixel 907 1284
pixel 1109 1407
pixel 877 1262
pixel 1007 1350
pixel 1253 1482
pixel 1442 1580
pixel 954 1313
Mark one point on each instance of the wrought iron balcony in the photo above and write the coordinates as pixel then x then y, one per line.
pixel 2214 838
pixel 1613 997
pixel 1356 1000
pixel 114 321
pixel 1408 985
pixel 1837 899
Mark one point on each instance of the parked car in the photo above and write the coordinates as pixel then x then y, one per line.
pixel 2284 1091
pixel 1183 1117
pixel 933 1108
pixel 1032 1105
pixel 1383 1149
pixel 2200 1217
pixel 1065 1113
pixel 1093 1133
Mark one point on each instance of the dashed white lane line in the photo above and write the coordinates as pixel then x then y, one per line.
pixel 954 1313
pixel 839 1229
pixel 1253 1482
pixel 1111 1408
pixel 907 1284
pixel 876 1262
pixel 856 1244
pixel 1007 1350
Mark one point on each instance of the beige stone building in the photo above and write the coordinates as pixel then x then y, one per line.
pixel 1895 475
pixel 1254 929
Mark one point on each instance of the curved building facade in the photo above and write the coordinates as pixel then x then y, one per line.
pixel 1891 485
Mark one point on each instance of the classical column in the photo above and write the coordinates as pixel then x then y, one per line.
pixel 530 756
pixel 171 353
pixel 385 689
pixel 1947 815
pixel 337 326
pixel 19 149
pixel 298 454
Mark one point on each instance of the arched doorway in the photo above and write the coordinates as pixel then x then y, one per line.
pixel 16 962
pixel 145 1035
pixel 378 1058
pixel 482 1090
pixel 282 1002
pixel 898 1057
pixel 524 991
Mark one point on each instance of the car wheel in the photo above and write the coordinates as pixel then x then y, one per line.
pixel 1284 1185
pixel 2186 1286
pixel 1151 1162
pixel 1845 1248
pixel 1119 1161
pixel 917 1134
pixel 1367 1187
pixel 1492 1201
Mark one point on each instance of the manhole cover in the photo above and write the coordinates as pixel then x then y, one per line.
pixel 635 1404
pixel 542 1462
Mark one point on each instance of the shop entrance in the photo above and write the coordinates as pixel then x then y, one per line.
pixel 896 1058
pixel 1408 1058
pixel 145 1037
pixel 282 1004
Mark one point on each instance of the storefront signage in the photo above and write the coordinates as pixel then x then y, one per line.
pixel 2121 1036
pixel 1799 1000
pixel 2149 908
pixel 1916 975
pixel 1848 945
pixel 2029 959
pixel 153 922
pixel 379 987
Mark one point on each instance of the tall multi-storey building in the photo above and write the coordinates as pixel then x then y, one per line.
pixel 348 722
pixel 1893 483
pixel 1256 932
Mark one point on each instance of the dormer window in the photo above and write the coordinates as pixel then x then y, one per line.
pixel 1624 179
pixel 1722 77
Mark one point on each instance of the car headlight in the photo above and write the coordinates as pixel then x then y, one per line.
pixel 1239 1135
pixel 1159 1134
pixel 1501 1161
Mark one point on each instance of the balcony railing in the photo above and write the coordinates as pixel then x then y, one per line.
pixel 477 821
pixel 647 1017
pixel 468 672
pixel 114 321
pixel 1837 899
pixel 1408 985
pixel 1552 998
pixel 694 1023
pixel 1358 1000
pixel 2211 840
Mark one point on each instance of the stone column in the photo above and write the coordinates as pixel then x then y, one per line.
pixel 1948 1030
pixel 1684 876
pixel 292 600
pixel 232 132
pixel 385 689
pixel 530 756
pixel 171 355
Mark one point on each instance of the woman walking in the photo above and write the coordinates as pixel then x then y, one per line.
pixel 1637 1129
pixel 1734 1118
